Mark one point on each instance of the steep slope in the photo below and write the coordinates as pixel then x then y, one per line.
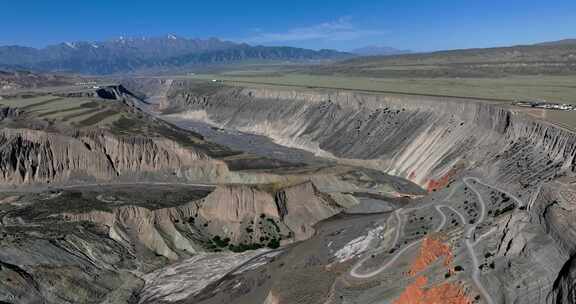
pixel 41 143
pixel 30 157
pixel 422 139
pixel 230 217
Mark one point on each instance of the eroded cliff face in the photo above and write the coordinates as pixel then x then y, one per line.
pixel 38 157
pixel 423 139
pixel 235 214
pixel 554 207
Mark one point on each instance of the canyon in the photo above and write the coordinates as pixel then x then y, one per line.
pixel 208 192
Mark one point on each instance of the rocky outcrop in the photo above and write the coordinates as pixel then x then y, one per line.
pixel 116 92
pixel 8 113
pixel 292 211
pixel 111 92
pixel 242 214
pixel 554 207
pixel 187 278
pixel 301 205
pixel 30 157
pixel 564 290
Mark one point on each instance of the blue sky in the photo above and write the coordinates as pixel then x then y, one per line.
pixel 339 24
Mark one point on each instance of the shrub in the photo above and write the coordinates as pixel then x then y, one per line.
pixel 274 243
pixel 221 242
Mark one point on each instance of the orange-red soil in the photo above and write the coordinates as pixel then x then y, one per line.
pixel 445 293
pixel 437 184
pixel 432 248
pixel 418 292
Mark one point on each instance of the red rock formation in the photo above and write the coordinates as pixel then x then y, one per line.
pixel 432 249
pixel 445 293
pixel 437 184
pixel 418 292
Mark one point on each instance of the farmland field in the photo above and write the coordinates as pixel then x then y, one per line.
pixel 72 110
pixel 550 88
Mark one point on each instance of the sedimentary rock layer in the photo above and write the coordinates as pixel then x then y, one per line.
pixel 423 139
pixel 241 214
pixel 29 157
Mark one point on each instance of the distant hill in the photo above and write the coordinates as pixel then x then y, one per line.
pixel 133 54
pixel 375 50
pixel 560 42
pixel 550 58
pixel 13 80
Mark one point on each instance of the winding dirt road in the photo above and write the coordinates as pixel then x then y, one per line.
pixel 470 243
pixel 469 230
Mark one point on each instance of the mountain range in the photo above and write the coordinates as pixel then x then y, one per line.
pixel 132 54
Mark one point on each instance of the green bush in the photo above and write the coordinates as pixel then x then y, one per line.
pixel 244 247
pixel 221 242
pixel 274 243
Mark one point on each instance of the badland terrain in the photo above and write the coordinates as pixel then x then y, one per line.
pixel 251 184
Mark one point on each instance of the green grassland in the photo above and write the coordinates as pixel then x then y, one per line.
pixel 77 112
pixel 563 118
pixel 550 88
